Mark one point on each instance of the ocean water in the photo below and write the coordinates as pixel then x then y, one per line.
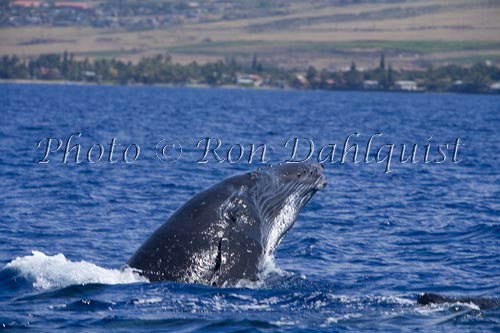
pixel 358 256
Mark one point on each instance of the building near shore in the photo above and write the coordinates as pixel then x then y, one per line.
pixel 495 87
pixel 405 85
pixel 370 85
pixel 249 80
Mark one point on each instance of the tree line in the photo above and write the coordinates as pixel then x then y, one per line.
pixel 161 69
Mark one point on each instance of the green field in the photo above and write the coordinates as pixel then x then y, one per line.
pixel 245 47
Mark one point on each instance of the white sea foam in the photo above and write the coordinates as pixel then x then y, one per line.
pixel 151 300
pixel 267 267
pixel 335 319
pixel 46 271
pixel 433 308
pixel 284 322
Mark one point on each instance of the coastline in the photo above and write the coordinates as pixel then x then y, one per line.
pixel 87 83
pixel 229 87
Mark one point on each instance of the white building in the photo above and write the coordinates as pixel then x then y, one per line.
pixel 249 80
pixel 406 85
pixel 370 84
pixel 495 87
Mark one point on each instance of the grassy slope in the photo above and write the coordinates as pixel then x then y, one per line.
pixel 411 34
pixel 243 46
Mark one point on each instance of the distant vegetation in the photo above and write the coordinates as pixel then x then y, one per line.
pixel 482 77
pixel 268 47
pixel 288 33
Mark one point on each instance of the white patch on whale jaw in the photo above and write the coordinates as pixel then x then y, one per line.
pixel 274 228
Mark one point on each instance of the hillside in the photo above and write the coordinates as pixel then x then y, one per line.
pixel 327 34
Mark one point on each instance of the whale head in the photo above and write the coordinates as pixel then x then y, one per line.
pixel 221 234
pixel 280 192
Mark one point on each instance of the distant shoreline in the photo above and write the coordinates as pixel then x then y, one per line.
pixel 226 86
pixel 198 85
pixel 160 70
pixel 86 83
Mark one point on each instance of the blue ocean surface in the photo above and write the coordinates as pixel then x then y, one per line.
pixel 358 256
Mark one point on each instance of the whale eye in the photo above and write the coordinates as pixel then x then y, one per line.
pixel 298 175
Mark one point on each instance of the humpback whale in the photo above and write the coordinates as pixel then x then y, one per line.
pixel 221 235
pixel 482 303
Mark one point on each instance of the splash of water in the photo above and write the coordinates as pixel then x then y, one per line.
pixel 46 271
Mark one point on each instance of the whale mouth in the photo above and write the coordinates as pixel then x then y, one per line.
pixel 321 183
pixel 318 179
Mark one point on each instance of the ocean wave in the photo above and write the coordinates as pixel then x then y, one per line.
pixel 46 271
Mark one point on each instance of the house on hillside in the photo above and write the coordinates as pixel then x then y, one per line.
pixel 73 5
pixel 300 81
pixel 26 3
